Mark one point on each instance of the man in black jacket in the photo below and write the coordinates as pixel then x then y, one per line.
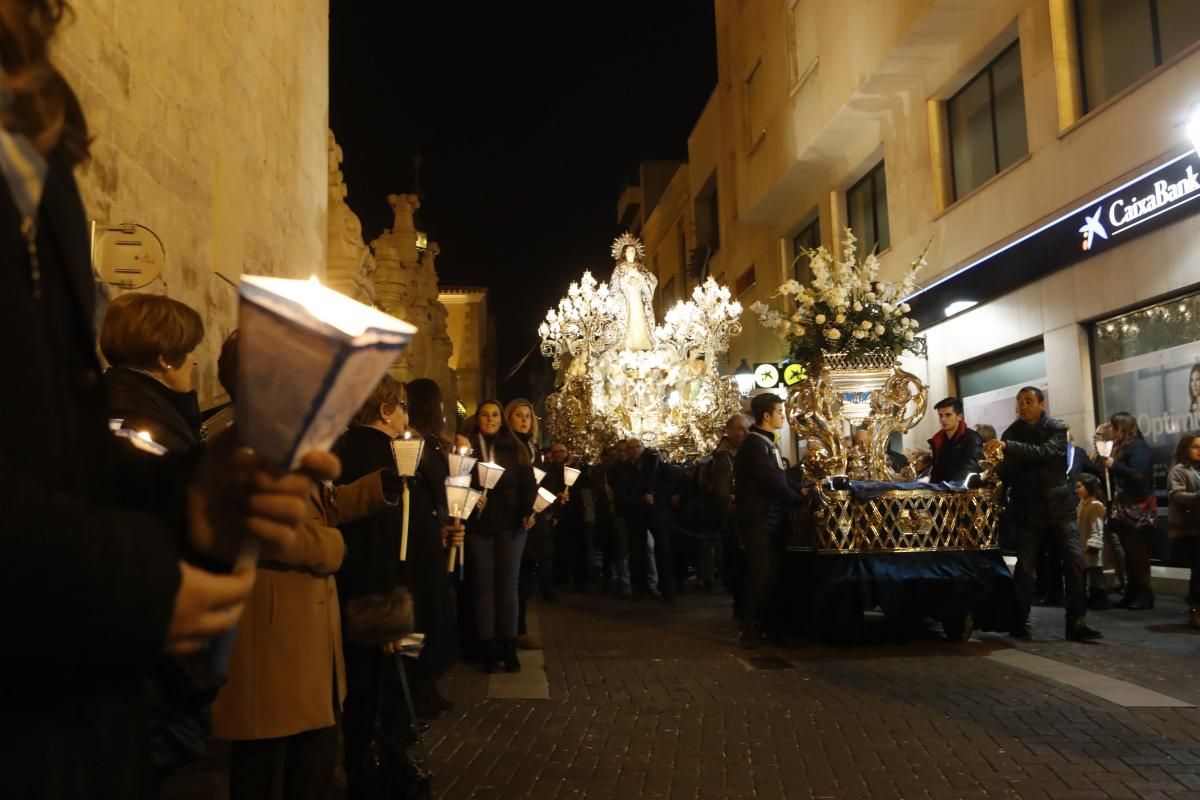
pixel 956 449
pixel 1035 470
pixel 633 483
pixel 762 497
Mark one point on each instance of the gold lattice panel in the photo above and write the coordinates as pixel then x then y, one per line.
pixel 905 520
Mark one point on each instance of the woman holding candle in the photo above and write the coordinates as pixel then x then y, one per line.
pixel 287 677
pixel 371 586
pixel 1135 509
pixel 496 537
pixel 537 561
pixel 431 535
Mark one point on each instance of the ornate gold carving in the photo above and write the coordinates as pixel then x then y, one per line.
pixel 905 521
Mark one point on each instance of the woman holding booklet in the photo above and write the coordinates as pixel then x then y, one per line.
pixel 496 536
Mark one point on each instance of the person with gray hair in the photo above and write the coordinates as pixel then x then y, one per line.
pixel 717 479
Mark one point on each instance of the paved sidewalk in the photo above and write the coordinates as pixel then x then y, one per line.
pixel 654 700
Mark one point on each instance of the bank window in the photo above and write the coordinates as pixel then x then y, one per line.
pixel 867 212
pixel 988 386
pixel 809 238
pixel 1147 362
pixel 1122 40
pixel 987 122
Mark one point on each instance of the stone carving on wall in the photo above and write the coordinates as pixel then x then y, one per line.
pixel 350 266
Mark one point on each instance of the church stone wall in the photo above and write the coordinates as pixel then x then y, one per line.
pixel 210 124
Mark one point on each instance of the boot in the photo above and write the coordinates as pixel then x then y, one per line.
pixel 1097 598
pixel 1142 602
pixel 490 656
pixel 1078 631
pixel 509 656
pixel 424 705
pixel 440 700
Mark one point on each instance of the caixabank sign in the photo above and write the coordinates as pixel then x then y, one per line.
pixel 1143 204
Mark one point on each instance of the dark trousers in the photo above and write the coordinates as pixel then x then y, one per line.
pixel 638 523
pixel 761 562
pixel 1188 549
pixel 1064 540
pixel 1137 563
pixel 372 683
pixel 534 575
pixel 495 568
pixel 293 767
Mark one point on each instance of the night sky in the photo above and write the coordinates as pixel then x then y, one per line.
pixel 527 124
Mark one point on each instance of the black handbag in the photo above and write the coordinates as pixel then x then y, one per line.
pixel 389 772
pixel 1136 517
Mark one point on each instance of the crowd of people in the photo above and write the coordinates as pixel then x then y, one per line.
pixel 171 588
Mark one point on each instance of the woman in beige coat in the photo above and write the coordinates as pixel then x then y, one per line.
pixel 286 676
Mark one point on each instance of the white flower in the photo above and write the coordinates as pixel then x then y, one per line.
pixel 905 307
pixel 887 309
pixel 908 336
pixel 866 323
pixel 819 319
pixel 797 330
pixel 840 318
pixel 869 297
pixel 879 329
pixel 860 334
pixel 833 334
pixel 790 287
pixel 857 306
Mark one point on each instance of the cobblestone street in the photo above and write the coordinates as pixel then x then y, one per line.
pixel 652 700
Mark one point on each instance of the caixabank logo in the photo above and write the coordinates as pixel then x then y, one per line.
pixel 1120 213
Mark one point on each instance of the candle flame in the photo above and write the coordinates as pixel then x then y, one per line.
pixel 145 436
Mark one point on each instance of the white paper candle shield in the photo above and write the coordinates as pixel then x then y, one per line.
pixel 458 498
pixel 1104 448
pixel 307 359
pixel 570 475
pixel 489 474
pixel 458 481
pixel 461 464
pixel 538 474
pixel 543 500
pixel 407 455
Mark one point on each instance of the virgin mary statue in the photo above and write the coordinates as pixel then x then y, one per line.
pixel 634 288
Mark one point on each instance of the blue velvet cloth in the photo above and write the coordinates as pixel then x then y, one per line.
pixel 828 593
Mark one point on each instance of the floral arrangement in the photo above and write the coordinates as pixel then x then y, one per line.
pixel 846 309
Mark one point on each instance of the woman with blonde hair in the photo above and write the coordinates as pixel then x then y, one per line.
pixel 537 562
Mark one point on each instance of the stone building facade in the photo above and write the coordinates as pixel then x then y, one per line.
pixel 472 328
pixel 209 125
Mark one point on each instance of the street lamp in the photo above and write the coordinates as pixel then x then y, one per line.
pixel 743 376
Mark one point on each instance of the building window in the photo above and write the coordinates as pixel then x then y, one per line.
pixel 809 238
pixel 708 216
pixel 744 282
pixel 802 41
pixel 867 212
pixel 988 386
pixel 1122 40
pixel 987 122
pixel 756 105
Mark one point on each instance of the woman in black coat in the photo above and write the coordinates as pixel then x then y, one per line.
pixel 1135 509
pixel 496 536
pixel 371 580
pixel 430 534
